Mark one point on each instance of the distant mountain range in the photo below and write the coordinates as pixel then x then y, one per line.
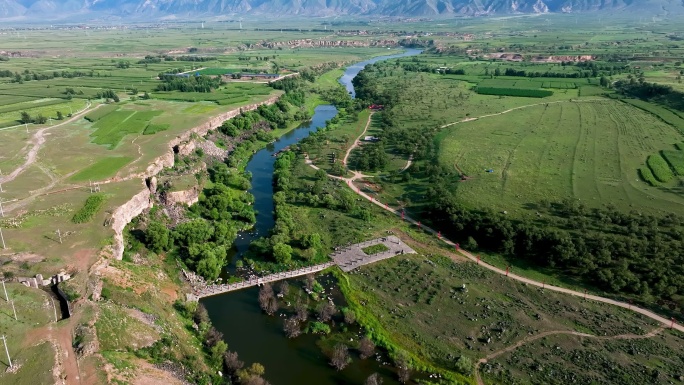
pixel 155 9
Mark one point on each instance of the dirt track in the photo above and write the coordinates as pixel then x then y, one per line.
pixel 37 140
pixel 524 341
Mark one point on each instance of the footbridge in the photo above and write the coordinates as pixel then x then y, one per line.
pixel 347 258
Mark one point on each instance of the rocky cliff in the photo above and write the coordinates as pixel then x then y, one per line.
pixel 142 200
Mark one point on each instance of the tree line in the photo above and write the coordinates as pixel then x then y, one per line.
pixel 188 83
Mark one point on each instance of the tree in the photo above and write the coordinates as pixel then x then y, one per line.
pixel 366 348
pixel 271 306
pixel 157 237
pixel 60 116
pixel 349 315
pixel 291 327
pixel 212 336
pixel 326 311
pixel 340 357
pixel 252 375
pixel 200 315
pixel 284 288
pixel 403 371
pixel 40 119
pixel 464 365
pixel 302 313
pixel 231 362
pixel 309 282
pixel 266 296
pixel 373 379
pixel 25 118
pixel 282 252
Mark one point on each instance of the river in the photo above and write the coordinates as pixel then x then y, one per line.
pixel 257 337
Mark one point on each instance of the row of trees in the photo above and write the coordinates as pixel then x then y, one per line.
pixel 188 83
pixel 654 92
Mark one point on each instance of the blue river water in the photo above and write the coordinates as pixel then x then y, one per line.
pixel 257 337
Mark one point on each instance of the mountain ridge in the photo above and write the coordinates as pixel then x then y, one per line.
pixel 54 9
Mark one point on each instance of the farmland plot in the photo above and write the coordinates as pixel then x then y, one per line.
pixel 589 151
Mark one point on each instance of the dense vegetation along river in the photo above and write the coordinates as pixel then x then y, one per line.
pixel 255 336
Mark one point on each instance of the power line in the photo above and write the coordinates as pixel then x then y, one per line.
pixel 4 339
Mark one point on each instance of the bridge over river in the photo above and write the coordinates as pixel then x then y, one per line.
pixel 347 258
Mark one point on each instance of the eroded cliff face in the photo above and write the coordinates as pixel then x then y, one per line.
pixel 124 214
pixel 143 199
pixel 179 142
pixel 311 43
pixel 188 197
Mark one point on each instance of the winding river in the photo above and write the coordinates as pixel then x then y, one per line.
pixel 256 337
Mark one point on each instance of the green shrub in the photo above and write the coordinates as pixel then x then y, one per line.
pixel 316 327
pixel 676 160
pixel 375 249
pixel 90 208
pixel 659 167
pixel 152 129
pixel 647 176
pixel 507 91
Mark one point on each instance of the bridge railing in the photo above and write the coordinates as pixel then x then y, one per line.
pixel 224 288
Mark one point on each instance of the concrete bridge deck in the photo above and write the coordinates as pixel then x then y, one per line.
pixel 347 258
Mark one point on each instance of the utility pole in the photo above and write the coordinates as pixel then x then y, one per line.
pixel 4 340
pixel 59 234
pixel 5 289
pixel 14 310
pixel 54 308
pixel 3 241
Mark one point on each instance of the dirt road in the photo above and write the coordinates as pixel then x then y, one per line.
pixel 527 340
pixel 358 140
pixel 37 141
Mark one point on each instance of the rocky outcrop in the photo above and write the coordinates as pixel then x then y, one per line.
pixel 187 197
pixel 142 200
pixel 123 216
pixel 166 160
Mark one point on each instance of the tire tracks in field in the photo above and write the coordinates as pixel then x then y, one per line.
pixel 527 340
pixel 511 154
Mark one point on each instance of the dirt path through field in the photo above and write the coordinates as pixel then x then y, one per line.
pixel 358 140
pixel 520 108
pixel 37 140
pixel 527 340
pixel 66 362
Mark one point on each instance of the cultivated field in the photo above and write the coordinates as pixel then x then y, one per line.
pixel 587 150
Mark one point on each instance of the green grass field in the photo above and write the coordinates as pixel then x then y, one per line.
pixel 428 313
pixel 113 127
pixel 34 311
pixel 102 169
pixel 589 151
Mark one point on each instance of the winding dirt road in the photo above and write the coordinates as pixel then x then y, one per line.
pixel 37 140
pixel 357 175
pixel 527 340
